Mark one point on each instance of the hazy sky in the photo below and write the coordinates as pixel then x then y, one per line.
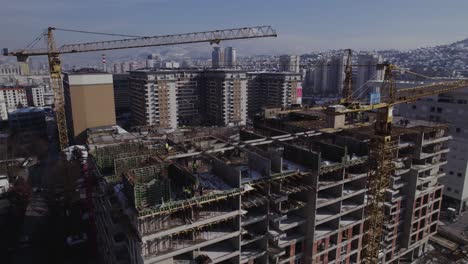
pixel 302 26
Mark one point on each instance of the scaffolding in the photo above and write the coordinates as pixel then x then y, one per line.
pixel 149 186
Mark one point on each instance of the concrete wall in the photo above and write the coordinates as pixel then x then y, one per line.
pixel 353 146
pixel 276 161
pixel 259 163
pixel 230 175
pixel 331 152
pixel 302 156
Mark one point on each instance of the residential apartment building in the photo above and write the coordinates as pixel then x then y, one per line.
pixel 272 89
pixel 230 57
pixel 224 97
pixel 35 96
pixel 121 92
pixel 327 77
pixel 367 70
pixel 164 98
pixel 3 110
pixel 289 63
pixel 450 108
pixel 217 58
pixel 212 97
pixel 89 102
pixel 13 97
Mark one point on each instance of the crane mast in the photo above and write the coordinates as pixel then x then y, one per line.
pixel 53 53
pixel 383 148
pixel 55 70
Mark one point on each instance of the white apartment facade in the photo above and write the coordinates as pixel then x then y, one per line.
pixel 153 98
pixel 36 96
pixel 13 97
pixel 289 63
pixel 450 108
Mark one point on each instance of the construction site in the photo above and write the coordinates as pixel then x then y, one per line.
pixel 269 194
pixel 347 182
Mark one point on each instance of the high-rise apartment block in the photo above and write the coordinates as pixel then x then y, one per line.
pixel 328 76
pixel 89 102
pixel 121 92
pixel 164 98
pixel 450 108
pixel 152 61
pixel 368 70
pixel 289 63
pixel 124 67
pixel 13 97
pixel 188 97
pixel 230 59
pixel 35 95
pixel 224 97
pixel 171 98
pixel 272 89
pixel 3 110
pixel 217 57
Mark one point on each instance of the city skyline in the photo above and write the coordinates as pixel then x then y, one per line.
pixel 312 26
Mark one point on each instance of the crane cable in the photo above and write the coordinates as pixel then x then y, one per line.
pixel 35 41
pixel 99 33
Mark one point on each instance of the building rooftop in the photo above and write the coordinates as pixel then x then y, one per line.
pixel 86 71
pixel 27 110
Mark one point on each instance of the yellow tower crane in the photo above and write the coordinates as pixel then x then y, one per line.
pixel 382 147
pixel 53 53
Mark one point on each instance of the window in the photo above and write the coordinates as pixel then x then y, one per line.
pixel 459 174
pixel 449 189
pixel 451 172
pixel 439 110
pixel 414 106
pixel 458 130
pixel 432 109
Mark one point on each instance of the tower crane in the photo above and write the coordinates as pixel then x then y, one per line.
pixel 382 147
pixel 53 53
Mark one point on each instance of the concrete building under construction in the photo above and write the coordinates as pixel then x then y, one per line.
pixel 288 191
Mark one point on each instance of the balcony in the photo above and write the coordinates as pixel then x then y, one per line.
pixel 349 220
pixel 435 140
pixel 219 252
pixel 324 215
pixel 428 166
pixel 250 254
pixel 287 240
pixel 350 205
pixel 424 155
pixel 177 225
pixel 180 246
pixel 290 222
pixel 251 218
